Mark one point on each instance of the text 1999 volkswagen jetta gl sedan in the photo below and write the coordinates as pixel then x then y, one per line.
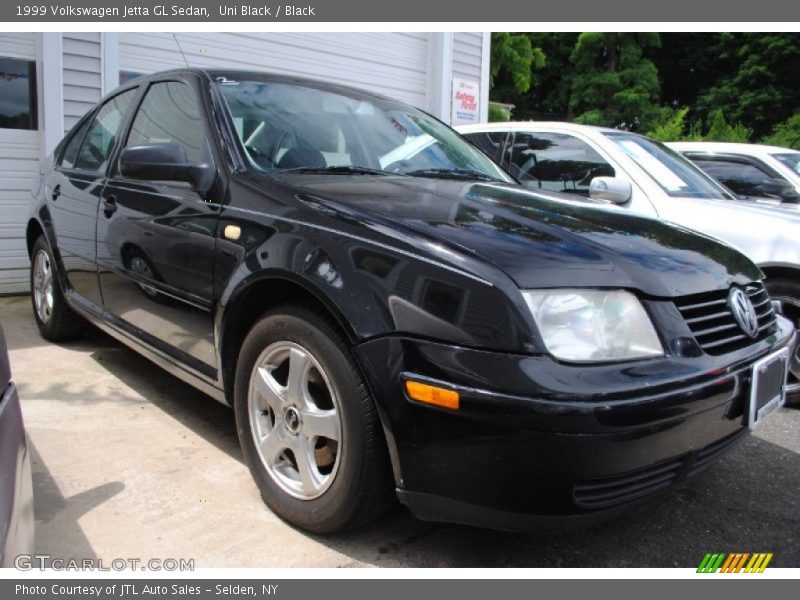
pixel 386 311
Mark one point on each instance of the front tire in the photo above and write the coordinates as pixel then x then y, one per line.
pixel 307 424
pixel 787 292
pixel 56 320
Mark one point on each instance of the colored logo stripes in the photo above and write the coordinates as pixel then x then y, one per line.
pixel 720 562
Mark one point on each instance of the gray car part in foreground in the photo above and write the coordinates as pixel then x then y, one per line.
pixel 16 488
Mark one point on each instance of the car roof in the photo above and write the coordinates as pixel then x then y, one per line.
pixel 732 147
pixel 250 75
pixel 266 76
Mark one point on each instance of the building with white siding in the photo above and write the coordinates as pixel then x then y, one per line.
pixel 49 80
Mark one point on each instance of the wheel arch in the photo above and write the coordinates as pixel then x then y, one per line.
pixel 258 295
pixel 38 225
pixel 33 230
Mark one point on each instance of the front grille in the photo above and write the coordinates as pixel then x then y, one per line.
pixel 606 492
pixel 711 321
pixel 610 491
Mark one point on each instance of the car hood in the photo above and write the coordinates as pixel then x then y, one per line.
pixel 538 240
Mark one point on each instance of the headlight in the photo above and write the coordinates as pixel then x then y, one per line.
pixel 593 325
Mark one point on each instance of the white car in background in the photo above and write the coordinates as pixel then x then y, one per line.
pixel 635 173
pixel 751 171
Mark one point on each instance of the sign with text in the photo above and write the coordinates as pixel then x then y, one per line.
pixel 465 103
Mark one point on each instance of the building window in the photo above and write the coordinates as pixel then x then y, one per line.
pixel 17 94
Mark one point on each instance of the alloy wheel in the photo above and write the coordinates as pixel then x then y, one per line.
pixel 43 286
pixel 294 419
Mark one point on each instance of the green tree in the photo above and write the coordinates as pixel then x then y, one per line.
pixel 498 114
pixel 786 134
pixel 514 58
pixel 614 83
pixel 640 80
pixel 689 64
pixel 671 125
pixel 762 86
pixel 719 130
pixel 548 93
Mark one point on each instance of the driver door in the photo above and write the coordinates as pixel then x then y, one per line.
pixel 156 239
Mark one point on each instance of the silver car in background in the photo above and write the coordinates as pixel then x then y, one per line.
pixel 638 174
pixel 751 171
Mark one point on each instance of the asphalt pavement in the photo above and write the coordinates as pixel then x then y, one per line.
pixel 129 462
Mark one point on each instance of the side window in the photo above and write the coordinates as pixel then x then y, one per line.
pixel 70 153
pixel 99 139
pixel 169 114
pixel 556 162
pixel 488 142
pixel 742 177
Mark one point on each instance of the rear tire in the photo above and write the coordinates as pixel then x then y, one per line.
pixel 307 424
pixel 787 292
pixel 57 322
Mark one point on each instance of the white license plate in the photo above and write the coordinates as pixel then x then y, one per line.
pixel 768 386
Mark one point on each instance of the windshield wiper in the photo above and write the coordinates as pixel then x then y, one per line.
pixel 452 174
pixel 345 170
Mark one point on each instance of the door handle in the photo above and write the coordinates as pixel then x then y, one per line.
pixel 110 206
pixel 56 192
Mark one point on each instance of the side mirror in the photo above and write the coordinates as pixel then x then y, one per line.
pixel 165 162
pixel 611 189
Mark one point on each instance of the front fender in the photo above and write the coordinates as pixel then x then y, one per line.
pixel 372 289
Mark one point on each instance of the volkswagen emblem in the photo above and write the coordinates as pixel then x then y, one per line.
pixel 292 418
pixel 743 311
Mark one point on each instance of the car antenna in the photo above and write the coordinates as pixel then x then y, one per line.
pixel 175 37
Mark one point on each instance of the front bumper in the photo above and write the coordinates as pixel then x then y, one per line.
pixel 16 491
pixel 538 442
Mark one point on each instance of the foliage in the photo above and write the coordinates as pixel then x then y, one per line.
pixel 670 126
pixel 642 81
pixel 673 127
pixel 761 89
pixel 548 97
pixel 786 134
pixel 688 63
pixel 544 79
pixel 613 82
pixel 719 130
pixel 514 57
pixel 497 114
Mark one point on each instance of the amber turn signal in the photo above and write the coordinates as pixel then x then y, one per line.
pixel 430 394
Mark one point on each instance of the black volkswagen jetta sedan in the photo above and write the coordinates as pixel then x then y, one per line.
pixel 387 312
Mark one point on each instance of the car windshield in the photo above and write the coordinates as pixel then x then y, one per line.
pixel 676 175
pixel 301 128
pixel 790 159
